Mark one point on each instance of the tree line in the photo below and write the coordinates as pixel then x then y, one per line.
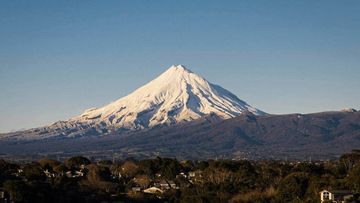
pixel 80 180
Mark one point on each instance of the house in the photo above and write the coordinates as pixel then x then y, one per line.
pixel 193 174
pixel 79 173
pixel 82 167
pixel 75 174
pixel 49 174
pixel 335 195
pixel 18 173
pixel 136 189
pixel 172 184
pixel 182 174
pixel 116 175
pixel 164 185
pixel 153 190
pixel 68 174
pixel 4 196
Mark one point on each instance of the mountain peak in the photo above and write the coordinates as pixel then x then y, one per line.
pixel 176 95
pixel 178 70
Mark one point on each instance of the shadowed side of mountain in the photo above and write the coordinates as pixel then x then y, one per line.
pixel 321 136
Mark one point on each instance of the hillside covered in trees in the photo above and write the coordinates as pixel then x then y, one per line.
pixel 169 180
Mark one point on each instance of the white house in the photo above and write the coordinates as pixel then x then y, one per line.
pixel 153 190
pixel 338 196
pixel 74 174
pixel 49 174
pixel 172 184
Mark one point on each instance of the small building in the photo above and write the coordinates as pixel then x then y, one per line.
pixel 153 190
pixel 116 175
pixel 4 196
pixel 49 174
pixel 182 174
pixel 79 174
pixel 18 173
pixel 172 184
pixel 136 189
pixel 74 174
pixel 164 185
pixel 195 176
pixel 335 196
pixel 82 167
pixel 192 174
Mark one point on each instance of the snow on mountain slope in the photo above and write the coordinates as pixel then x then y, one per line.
pixel 175 96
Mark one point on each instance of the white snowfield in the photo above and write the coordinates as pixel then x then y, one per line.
pixel 177 95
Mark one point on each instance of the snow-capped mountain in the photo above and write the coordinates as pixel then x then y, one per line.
pixel 177 95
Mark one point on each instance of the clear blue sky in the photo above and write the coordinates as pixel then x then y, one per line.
pixel 58 58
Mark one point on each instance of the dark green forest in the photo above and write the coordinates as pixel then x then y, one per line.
pixel 169 180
